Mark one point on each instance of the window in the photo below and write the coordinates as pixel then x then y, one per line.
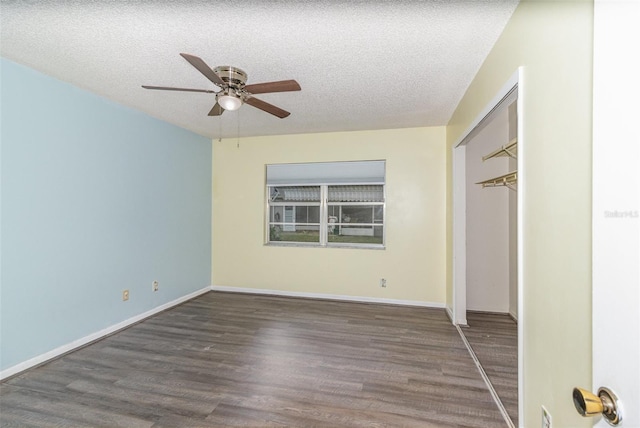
pixel 294 213
pixel 355 214
pixel 326 214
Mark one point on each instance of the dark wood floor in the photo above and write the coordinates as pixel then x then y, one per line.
pixel 244 360
pixel 494 339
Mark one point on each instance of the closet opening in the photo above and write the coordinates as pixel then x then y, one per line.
pixel 486 239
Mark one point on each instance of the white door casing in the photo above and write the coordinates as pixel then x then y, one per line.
pixel 503 98
pixel 616 205
pixel 511 91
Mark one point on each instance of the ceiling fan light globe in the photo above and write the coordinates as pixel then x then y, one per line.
pixel 229 102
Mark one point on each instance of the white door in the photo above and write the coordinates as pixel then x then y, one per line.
pixel 616 205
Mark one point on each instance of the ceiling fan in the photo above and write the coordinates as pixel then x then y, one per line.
pixel 233 88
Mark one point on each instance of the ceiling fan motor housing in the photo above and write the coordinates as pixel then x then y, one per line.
pixel 232 76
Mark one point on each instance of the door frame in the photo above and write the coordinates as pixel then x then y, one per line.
pixel 458 311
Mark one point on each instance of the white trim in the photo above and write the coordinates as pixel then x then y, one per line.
pixel 449 313
pixel 495 101
pixel 505 96
pixel 76 344
pixel 329 245
pixel 64 349
pixel 340 297
pixel 459 211
pixel 459 304
pixel 522 148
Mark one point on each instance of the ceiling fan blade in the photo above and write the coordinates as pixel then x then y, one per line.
pixel 267 87
pixel 269 108
pixel 217 110
pixel 203 68
pixel 165 88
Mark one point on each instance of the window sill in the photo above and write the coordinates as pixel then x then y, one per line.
pixel 314 245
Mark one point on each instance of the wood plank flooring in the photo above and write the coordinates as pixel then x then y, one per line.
pixel 227 359
pixel 494 339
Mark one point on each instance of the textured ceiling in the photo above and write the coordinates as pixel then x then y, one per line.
pixel 361 64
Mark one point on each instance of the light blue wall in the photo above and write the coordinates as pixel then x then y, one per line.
pixel 95 198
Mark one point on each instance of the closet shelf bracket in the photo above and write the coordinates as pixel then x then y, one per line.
pixel 509 180
pixel 510 150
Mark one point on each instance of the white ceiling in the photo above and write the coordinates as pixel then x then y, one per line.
pixel 361 64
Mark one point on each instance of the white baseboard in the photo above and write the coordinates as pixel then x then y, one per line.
pixel 61 350
pixel 339 297
pixel 40 359
pixel 513 316
pixel 461 323
pixel 449 313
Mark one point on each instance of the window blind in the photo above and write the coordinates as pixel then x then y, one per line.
pixel 360 172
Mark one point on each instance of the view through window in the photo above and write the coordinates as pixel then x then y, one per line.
pixel 324 213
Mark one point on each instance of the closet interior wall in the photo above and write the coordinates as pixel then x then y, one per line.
pixel 490 222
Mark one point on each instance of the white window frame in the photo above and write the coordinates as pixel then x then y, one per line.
pixel 324 218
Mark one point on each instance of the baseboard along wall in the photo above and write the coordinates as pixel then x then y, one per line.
pixel 339 297
pixel 87 340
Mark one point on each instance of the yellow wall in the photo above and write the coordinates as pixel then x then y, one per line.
pixel 553 41
pixel 414 259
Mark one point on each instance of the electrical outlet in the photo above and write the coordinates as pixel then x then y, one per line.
pixel 546 418
pixel 125 295
pixel 383 282
pixel 154 286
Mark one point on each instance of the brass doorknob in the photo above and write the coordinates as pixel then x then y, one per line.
pixel 605 403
